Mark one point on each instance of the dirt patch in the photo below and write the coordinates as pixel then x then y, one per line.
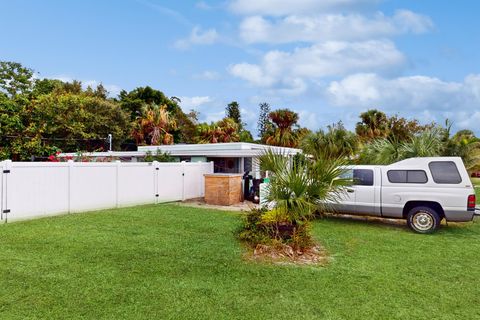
pixel 286 255
pixel 244 206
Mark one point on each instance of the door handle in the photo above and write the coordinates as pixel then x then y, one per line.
pixel 350 190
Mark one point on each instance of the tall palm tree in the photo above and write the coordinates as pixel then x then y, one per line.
pixel 373 124
pixel 283 134
pixel 156 123
pixel 225 130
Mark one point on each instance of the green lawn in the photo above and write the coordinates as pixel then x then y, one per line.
pixel 476 184
pixel 173 262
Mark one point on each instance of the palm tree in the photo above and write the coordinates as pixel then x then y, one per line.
pixel 380 151
pixel 336 142
pixel 373 124
pixel 283 134
pixel 225 130
pixel 427 143
pixel 155 123
pixel 466 145
pixel 298 188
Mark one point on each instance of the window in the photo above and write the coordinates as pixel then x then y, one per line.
pixel 363 177
pixel 416 176
pixel 347 174
pixel 407 176
pixel 397 176
pixel 445 172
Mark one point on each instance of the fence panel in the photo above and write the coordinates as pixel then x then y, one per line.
pixel 93 186
pixel 36 189
pixel 136 183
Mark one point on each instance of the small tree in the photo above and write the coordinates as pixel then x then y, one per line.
pixel 297 189
pixel 263 124
pixel 232 111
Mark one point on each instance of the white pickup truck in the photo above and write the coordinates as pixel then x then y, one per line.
pixel 422 190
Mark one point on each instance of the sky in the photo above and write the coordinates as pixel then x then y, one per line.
pixel 328 60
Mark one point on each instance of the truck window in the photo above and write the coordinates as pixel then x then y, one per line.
pixel 363 177
pixel 445 172
pixel 407 176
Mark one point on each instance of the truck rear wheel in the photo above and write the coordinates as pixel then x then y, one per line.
pixel 423 219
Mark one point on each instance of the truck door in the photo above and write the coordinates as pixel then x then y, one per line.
pixel 346 201
pixel 365 191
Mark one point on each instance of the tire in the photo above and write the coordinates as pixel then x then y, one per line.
pixel 423 220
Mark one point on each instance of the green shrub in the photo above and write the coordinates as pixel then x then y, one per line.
pixel 262 227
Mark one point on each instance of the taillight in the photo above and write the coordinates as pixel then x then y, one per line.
pixel 471 201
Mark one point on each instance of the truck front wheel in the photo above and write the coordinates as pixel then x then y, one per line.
pixel 423 220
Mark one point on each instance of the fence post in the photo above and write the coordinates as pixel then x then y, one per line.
pixel 2 189
pixel 155 181
pixel 6 169
pixel 69 185
pixel 183 180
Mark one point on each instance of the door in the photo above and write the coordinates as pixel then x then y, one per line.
pixel 346 200
pixel 364 189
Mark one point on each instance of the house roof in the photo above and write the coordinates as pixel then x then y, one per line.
pixel 231 149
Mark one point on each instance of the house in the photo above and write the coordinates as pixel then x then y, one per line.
pixel 232 157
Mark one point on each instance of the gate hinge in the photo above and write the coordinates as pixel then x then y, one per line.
pixel 156 195
pixel 157 168
pixel 6 171
pixel 6 211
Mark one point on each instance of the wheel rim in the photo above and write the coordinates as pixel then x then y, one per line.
pixel 423 221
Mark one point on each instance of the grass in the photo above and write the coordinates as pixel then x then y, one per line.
pixel 173 262
pixel 476 185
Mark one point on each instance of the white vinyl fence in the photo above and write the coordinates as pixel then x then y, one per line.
pixel 35 189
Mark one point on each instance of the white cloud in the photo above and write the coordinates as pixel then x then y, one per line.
pixel 286 7
pixel 328 27
pixel 213 116
pixel 292 70
pixel 203 5
pixel 308 119
pixel 194 102
pixel 414 92
pixel 412 22
pixel 207 75
pixel 197 37
pixel 426 97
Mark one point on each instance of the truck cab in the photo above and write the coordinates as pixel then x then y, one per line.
pixel 423 191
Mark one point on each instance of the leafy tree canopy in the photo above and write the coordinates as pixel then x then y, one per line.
pixel 15 78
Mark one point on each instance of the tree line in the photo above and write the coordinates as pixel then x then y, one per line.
pixel 39 117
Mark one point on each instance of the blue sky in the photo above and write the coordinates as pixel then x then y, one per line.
pixel 328 60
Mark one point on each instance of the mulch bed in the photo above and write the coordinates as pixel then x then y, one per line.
pixel 285 254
